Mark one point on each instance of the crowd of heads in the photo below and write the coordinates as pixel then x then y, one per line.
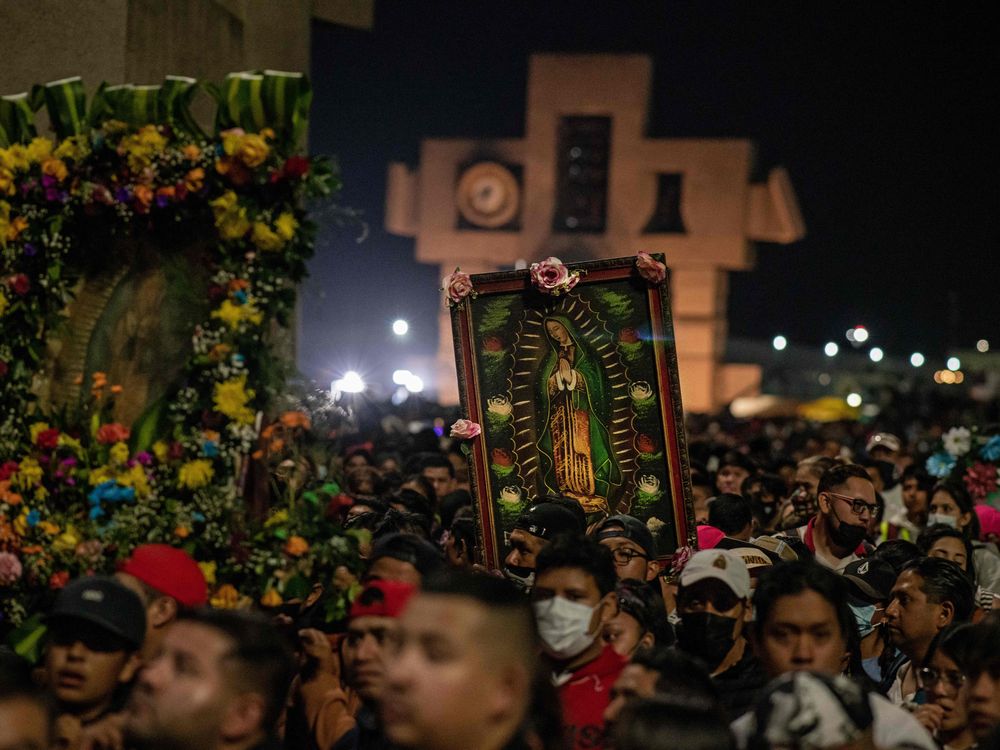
pixel 833 603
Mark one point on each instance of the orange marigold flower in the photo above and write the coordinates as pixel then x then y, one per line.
pixel 293 419
pixel 191 152
pixel 143 196
pixel 182 532
pixel 194 180
pixel 296 546
pixel 116 389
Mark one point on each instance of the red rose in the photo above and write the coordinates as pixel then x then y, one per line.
pixel 501 457
pixel 645 444
pixel 338 504
pixel 112 433
pixel 4 369
pixel 492 344
pixel 296 167
pixel 628 336
pixel 58 580
pixel 176 451
pixel 7 470
pixel 20 284
pixel 48 439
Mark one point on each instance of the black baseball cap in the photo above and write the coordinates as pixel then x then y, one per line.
pixel 547 520
pixel 627 527
pixel 871 579
pixel 104 602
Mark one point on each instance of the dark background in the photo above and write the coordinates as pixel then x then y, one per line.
pixel 880 114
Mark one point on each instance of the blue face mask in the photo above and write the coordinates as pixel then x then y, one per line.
pixel 863 615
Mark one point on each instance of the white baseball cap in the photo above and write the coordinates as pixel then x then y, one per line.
pixel 720 564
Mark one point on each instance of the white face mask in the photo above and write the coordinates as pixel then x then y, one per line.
pixel 563 626
pixel 941 518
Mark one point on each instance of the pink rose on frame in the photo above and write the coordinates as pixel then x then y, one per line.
pixel 552 277
pixel 10 569
pixel 457 286
pixel 650 268
pixel 464 429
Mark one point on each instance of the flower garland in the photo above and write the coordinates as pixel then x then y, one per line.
pixel 969 458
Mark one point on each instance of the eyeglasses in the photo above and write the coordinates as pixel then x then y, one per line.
pixel 929 677
pixel 858 506
pixel 623 556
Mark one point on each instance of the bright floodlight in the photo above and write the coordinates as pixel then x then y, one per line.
pixel 850 335
pixel 854 399
pixel 779 343
pixel 860 334
pixel 876 354
pixel 415 384
pixel 399 377
pixel 352 382
pixel 917 359
pixel 400 327
pixel 831 349
pixel 954 363
pixel 982 345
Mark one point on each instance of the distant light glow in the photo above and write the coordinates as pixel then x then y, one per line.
pixel 415 384
pixel 352 382
pixel 853 400
pixel 400 327
pixel 982 346
pixel 399 377
pixel 860 334
pixel 917 359
pixel 824 378
pixel 954 363
pixel 850 335
pixel 831 349
pixel 779 343
pixel 947 377
pixel 876 354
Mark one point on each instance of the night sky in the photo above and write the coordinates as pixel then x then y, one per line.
pixel 880 115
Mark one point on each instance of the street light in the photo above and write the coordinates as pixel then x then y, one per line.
pixel 779 343
pixel 831 349
pixel 399 377
pixel 400 327
pixel 982 346
pixel 352 382
pixel 954 363
pixel 917 359
pixel 854 400
pixel 415 384
pixel 860 334
pixel 876 354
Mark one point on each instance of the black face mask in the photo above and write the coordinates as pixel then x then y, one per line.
pixel 846 536
pixel 707 636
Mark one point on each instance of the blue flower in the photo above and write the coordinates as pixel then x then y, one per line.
pixel 96 512
pixel 940 464
pixel 199 517
pixel 210 448
pixel 240 297
pixel 991 451
pixel 33 518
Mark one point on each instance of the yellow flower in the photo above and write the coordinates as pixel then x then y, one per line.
pixel 66 541
pixel 136 479
pixel 195 474
pixel 141 146
pixel 41 493
pixel 49 528
pixel 277 519
pixel 28 474
pixel 37 429
pixel 286 225
pixel 76 147
pixel 119 453
pixel 231 398
pixel 55 168
pixel 161 450
pixel 225 597
pixel 3 303
pixel 271 598
pixel 234 224
pixel 100 474
pixel 265 238
pixel 6 185
pixel 21 522
pixel 208 571
pixel 233 315
pixel 223 204
pixel 249 148
pixel 65 441
pixel 39 150
pixel 14 158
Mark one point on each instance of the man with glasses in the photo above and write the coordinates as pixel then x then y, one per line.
pixel 836 534
pixel 632 547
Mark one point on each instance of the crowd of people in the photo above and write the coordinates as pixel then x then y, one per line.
pixel 835 600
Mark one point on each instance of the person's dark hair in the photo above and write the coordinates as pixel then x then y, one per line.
pixel 837 476
pixel 402 522
pixel 451 504
pixel 978 651
pixel 262 661
pixel 729 513
pixel 818 465
pixel 770 484
pixel 426 487
pixel 794 577
pixel 463 529
pixel 925 481
pixel 359 451
pixel 410 548
pixel 645 605
pixel 944 581
pixel 699 479
pixel 437 461
pixel 679 672
pixel 571 505
pixel 413 502
pixel 897 552
pixel 356 477
pixel 368 521
pixel 735 458
pixel 579 551
pixel 933 534
pixel 16 684
pixel 953 643
pixel 964 502
pixel 668 722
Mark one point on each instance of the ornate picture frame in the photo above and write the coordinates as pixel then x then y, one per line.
pixel 576 389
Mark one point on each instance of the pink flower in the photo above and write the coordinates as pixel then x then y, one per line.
pixel 980 480
pixel 552 277
pixel 10 569
pixel 650 269
pixel 457 286
pixel 463 429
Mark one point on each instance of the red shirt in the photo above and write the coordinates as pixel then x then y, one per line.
pixel 585 695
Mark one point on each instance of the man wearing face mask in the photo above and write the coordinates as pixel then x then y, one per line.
pixel 534 529
pixel 869 584
pixel 574 598
pixel 713 602
pixel 836 534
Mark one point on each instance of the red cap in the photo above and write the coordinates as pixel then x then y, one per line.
pixel 708 537
pixel 382 598
pixel 171 571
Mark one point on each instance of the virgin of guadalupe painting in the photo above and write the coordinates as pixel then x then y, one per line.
pixel 578 396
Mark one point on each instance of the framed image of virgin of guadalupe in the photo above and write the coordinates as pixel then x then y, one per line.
pixel 571 373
